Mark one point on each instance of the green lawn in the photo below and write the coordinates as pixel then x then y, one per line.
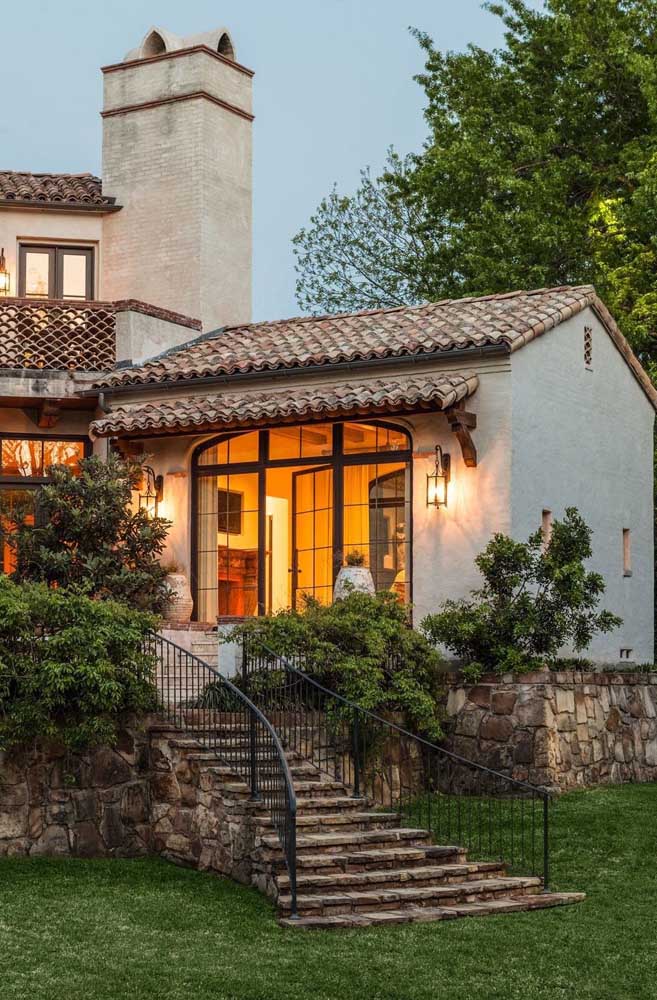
pixel 145 930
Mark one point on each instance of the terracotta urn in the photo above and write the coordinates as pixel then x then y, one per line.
pixel 352 578
pixel 181 604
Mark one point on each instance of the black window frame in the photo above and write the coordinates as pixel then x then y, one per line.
pixel 337 460
pixel 36 481
pixel 55 253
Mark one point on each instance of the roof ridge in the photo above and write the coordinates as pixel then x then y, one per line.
pixel 318 317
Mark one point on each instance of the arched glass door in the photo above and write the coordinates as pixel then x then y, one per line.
pixel 277 511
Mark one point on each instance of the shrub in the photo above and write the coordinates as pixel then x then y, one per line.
pixel 70 666
pixel 362 648
pixel 536 598
pixel 87 535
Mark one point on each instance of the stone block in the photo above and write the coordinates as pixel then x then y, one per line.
pixel 496 727
pixel 135 804
pixel 53 842
pixel 503 702
pixel 108 768
pixel 565 700
pixel 480 695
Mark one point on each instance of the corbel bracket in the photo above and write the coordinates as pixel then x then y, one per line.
pixel 461 423
pixel 48 413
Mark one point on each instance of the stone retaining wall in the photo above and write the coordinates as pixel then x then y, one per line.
pixel 91 805
pixel 561 730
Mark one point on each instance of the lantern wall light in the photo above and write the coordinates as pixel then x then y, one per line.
pixel 438 480
pixel 5 278
pixel 151 491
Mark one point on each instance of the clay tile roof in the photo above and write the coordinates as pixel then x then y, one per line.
pixel 509 321
pixel 252 408
pixel 77 190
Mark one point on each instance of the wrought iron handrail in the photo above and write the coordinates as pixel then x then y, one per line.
pixel 201 701
pixel 490 812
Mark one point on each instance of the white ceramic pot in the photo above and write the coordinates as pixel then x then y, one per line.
pixel 181 603
pixel 352 578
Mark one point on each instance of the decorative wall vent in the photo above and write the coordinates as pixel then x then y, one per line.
pixel 588 348
pixel 55 335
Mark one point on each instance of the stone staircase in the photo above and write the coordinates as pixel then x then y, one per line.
pixel 356 865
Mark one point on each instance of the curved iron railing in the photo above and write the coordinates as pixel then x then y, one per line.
pixel 458 800
pixel 199 700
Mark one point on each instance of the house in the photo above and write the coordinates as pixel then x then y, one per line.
pixel 409 435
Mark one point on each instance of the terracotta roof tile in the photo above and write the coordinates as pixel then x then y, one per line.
pixel 228 410
pixel 53 189
pixel 452 324
pixel 511 321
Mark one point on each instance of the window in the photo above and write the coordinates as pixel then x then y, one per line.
pixel 277 512
pixel 627 552
pixel 24 466
pixel 626 653
pixel 52 272
pixel 546 527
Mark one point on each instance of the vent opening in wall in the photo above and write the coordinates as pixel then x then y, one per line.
pixel 154 45
pixel 588 348
pixel 626 653
pixel 225 47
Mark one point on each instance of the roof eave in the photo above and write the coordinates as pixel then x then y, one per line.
pixel 59 206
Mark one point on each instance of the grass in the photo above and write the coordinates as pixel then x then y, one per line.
pixel 145 930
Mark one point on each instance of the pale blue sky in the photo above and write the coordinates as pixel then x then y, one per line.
pixel 333 89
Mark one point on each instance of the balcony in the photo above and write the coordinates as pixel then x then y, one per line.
pixel 55 335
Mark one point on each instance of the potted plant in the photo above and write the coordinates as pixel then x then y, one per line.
pixel 354 575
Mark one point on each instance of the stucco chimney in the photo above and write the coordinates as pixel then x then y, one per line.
pixel 177 156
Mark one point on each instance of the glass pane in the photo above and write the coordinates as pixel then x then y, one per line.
pixel 37 271
pixel 285 442
pixel 360 438
pixel 74 275
pixel 22 457
pixel 241 448
pixel 316 441
pixel 16 506
pixel 376 519
pixel 68 453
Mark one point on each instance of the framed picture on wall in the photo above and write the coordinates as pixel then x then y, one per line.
pixel 230 507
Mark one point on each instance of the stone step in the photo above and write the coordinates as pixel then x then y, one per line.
pixel 422 875
pixel 372 859
pixel 316 823
pixel 358 901
pixel 322 843
pixel 322 787
pixel 416 914
pixel 321 803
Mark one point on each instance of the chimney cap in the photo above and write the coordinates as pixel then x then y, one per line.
pixel 158 41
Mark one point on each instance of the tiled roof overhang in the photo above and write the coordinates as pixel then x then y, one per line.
pixel 491 322
pixel 251 408
pixel 67 192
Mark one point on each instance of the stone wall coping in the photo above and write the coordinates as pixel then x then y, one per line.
pixel 554 677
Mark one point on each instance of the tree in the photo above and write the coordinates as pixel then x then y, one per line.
pixel 540 168
pixel 88 536
pixel 535 599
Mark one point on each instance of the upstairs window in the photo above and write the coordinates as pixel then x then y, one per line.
pixel 55 272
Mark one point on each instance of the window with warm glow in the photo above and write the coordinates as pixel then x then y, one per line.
pixel 278 511
pixel 55 272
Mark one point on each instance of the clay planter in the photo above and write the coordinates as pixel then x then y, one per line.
pixel 181 603
pixel 352 578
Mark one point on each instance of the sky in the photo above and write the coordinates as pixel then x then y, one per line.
pixel 333 90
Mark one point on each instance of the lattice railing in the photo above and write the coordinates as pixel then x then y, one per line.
pixel 48 334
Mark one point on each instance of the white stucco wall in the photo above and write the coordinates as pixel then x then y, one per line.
pixel 585 439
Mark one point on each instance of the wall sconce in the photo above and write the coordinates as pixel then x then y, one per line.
pixel 151 491
pixel 437 480
pixel 5 279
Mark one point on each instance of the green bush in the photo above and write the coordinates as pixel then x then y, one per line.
pixel 70 666
pixel 87 535
pixel 536 598
pixel 362 648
